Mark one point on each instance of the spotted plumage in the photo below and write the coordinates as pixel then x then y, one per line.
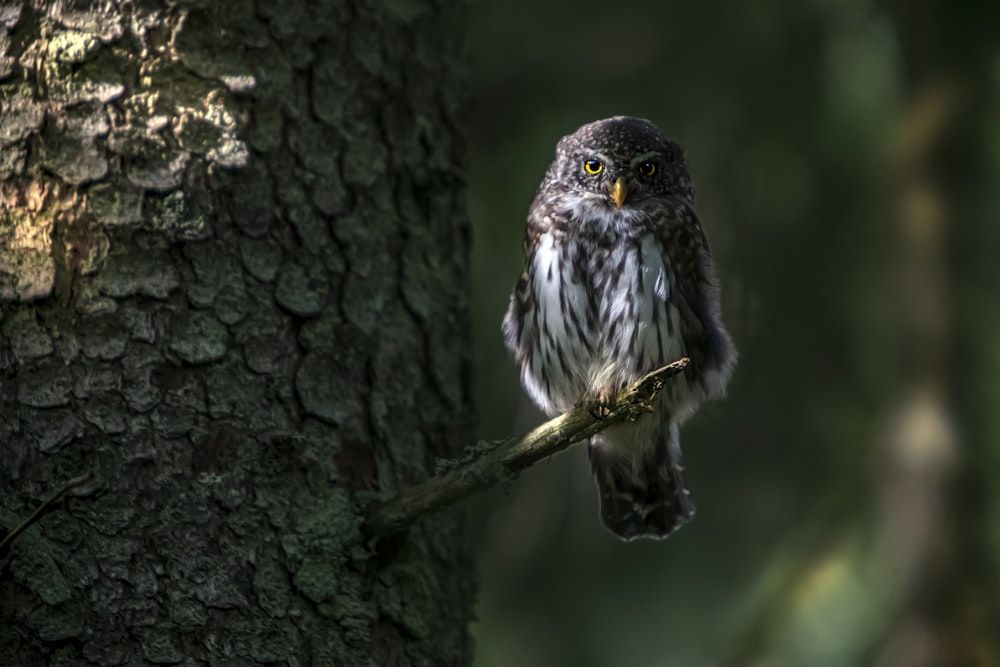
pixel 618 281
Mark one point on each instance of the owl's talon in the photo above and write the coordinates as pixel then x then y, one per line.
pixel 601 406
pixel 598 410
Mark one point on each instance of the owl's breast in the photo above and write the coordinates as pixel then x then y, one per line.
pixel 602 317
pixel 564 339
pixel 638 325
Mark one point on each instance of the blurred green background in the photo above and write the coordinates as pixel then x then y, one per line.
pixel 846 156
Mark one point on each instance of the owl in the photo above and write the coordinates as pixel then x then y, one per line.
pixel 618 281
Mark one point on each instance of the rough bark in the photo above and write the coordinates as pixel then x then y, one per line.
pixel 233 274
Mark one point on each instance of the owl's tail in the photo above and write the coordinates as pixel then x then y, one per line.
pixel 642 493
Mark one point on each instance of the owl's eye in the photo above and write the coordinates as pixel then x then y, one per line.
pixel 647 168
pixel 593 167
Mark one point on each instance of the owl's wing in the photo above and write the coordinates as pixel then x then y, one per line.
pixel 695 294
pixel 519 322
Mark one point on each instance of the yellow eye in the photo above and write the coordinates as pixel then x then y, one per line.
pixel 593 167
pixel 647 168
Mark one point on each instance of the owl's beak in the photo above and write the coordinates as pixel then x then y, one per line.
pixel 619 191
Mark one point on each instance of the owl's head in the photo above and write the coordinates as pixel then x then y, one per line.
pixel 621 163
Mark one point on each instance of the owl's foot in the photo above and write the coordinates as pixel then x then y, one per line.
pixel 601 406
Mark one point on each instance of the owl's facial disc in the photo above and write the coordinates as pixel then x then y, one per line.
pixel 619 191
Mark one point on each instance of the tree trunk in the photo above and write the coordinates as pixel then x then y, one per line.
pixel 233 287
pixel 940 460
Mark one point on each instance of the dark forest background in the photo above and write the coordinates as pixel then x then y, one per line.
pixel 846 157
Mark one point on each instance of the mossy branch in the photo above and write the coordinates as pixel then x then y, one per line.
pixel 509 457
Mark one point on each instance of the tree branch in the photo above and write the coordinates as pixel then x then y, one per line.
pixel 485 466
pixel 41 509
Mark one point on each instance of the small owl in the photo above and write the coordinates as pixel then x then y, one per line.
pixel 618 281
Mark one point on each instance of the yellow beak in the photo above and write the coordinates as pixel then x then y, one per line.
pixel 619 191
